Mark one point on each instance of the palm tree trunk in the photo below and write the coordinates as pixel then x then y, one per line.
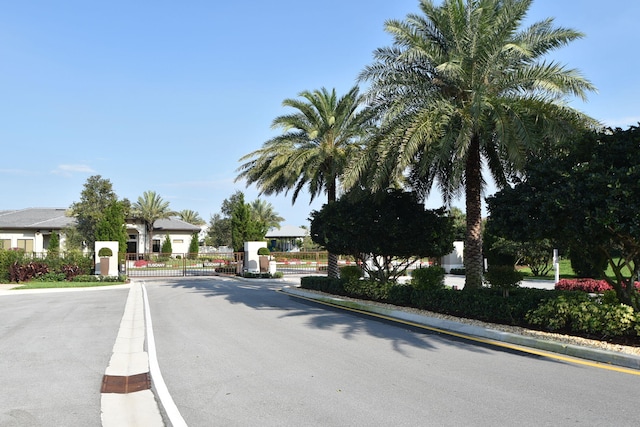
pixel 473 243
pixel 332 261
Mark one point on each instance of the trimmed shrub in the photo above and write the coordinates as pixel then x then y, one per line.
pixel 264 251
pixel 578 312
pixel 428 278
pixel 503 277
pixel 351 273
pixel 105 252
pixel 323 284
pixel 458 271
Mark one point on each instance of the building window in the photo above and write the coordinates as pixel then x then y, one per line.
pixel 156 245
pixel 26 244
pixel 5 243
pixel 177 241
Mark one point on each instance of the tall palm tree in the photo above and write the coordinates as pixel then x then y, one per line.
pixel 192 217
pixel 149 208
pixel 264 213
pixel 463 86
pixel 313 150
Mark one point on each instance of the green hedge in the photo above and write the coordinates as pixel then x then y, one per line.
pixel 553 310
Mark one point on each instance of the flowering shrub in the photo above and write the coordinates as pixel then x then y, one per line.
pixel 140 263
pixel 586 285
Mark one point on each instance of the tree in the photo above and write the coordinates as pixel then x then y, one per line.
pixel 149 208
pixel 587 197
pixel 54 245
pixel 389 230
pixel 191 217
pixel 243 227
pixel 167 248
pixel 193 246
pixel 312 152
pixel 459 223
pixel 264 214
pixel 95 197
pixel 462 86
pixel 111 226
pixel 219 233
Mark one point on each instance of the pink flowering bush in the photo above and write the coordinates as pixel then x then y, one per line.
pixel 586 285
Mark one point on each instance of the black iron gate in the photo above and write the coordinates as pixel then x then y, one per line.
pixel 181 265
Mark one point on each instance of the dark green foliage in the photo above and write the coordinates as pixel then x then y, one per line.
pixel 350 273
pixel 329 285
pixel 18 265
pixel 389 230
pixel 577 312
pixel 587 262
pixel 95 199
pixel 111 227
pixel 503 277
pixel 219 233
pixel 264 251
pixel 54 245
pixel 167 248
pixel 457 271
pixel 105 252
pixel 428 278
pixel 587 197
pixel 193 246
pixel 243 226
pixel 8 257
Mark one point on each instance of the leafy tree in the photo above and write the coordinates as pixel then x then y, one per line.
pixel 167 248
pixel 112 226
pixel 194 246
pixel 318 139
pixel 389 230
pixel 243 227
pixel 587 197
pixel 191 217
pixel 219 233
pixel 54 245
pixel 459 223
pixel 96 196
pixel 149 208
pixel 264 214
pixel 464 86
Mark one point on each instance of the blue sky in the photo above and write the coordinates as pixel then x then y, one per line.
pixel 167 96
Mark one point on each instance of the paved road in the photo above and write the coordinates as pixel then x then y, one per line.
pixel 237 353
pixel 54 348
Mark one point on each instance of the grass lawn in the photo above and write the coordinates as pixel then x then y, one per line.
pixel 566 272
pixel 51 285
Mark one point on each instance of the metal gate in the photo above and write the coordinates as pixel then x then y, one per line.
pixel 181 265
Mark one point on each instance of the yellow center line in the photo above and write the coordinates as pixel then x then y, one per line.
pixel 515 347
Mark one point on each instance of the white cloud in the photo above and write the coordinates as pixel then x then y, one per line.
pixel 68 170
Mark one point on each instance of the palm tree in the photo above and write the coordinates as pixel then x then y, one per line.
pixel 149 208
pixel 463 86
pixel 264 213
pixel 191 217
pixel 312 152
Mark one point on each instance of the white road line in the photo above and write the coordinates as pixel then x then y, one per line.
pixel 154 368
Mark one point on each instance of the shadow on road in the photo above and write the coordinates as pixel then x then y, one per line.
pixel 260 294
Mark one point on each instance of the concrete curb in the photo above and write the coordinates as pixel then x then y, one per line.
pixel 597 355
pixel 129 358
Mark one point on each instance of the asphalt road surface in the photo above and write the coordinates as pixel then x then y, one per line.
pixel 54 348
pixel 238 353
